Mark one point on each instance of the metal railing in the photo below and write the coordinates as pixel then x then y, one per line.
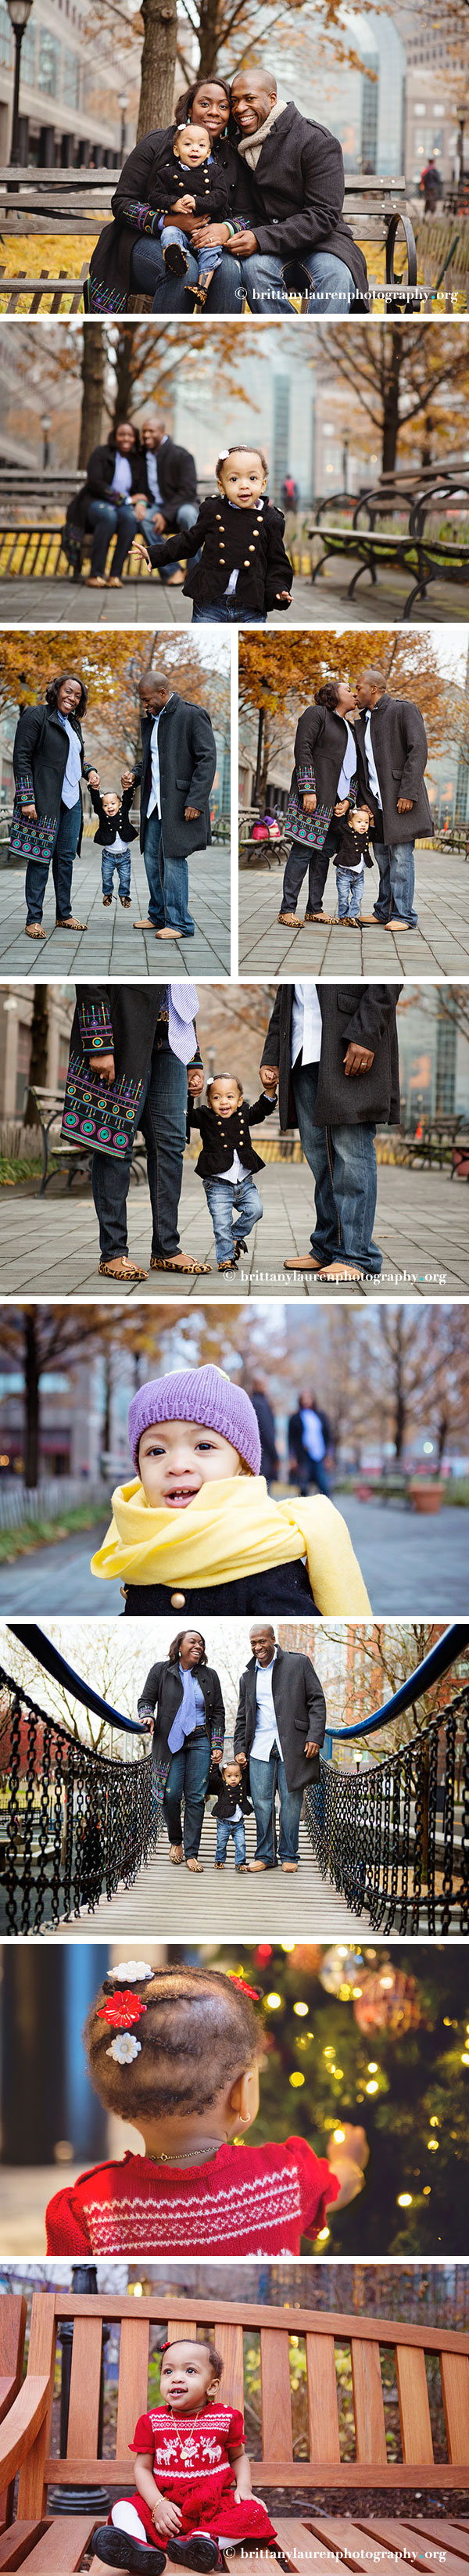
pixel 395 1839
pixel 74 1824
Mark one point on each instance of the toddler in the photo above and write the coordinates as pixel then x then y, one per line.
pixel 176 2051
pixel 209 196
pixel 227 1162
pixel 231 1806
pixel 194 2497
pixel 241 569
pixel 114 832
pixel 351 858
pixel 196 1528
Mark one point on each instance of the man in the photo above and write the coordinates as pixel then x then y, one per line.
pixel 332 1050
pixel 392 752
pixel 308 1439
pixel 280 1724
pixel 172 487
pixel 176 773
pixel 145 1040
pixel 294 236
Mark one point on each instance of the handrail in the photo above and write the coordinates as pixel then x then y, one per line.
pixel 439 1660
pixel 74 1823
pixel 394 1838
pixel 47 1654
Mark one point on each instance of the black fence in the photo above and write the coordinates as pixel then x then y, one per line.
pixel 74 1825
pixel 395 1838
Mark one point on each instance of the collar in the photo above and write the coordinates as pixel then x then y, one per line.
pixel 250 149
pixel 162 711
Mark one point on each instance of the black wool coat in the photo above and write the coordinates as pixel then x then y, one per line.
pixel 99 476
pixel 360 1014
pixel 223 1137
pixel 298 194
pixel 228 1799
pixel 320 746
pixel 280 1590
pixel 161 1697
pixel 122 1020
pixel 400 747
pixel 40 754
pixel 248 540
pixel 187 754
pixel 300 1711
pixel 109 824
pixel 140 198
pixel 177 478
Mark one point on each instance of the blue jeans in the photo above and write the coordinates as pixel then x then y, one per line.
pixel 349 893
pixel 150 277
pixel 188 1778
pixel 168 881
pixel 119 860
pixel 396 881
pixel 343 1160
pixel 63 855
pixel 223 612
pixel 234 1208
pixel 269 281
pixel 206 261
pixel 266 1778
pixel 300 861
pixel 108 521
pixel 185 518
pixel 225 1827
pixel 162 1117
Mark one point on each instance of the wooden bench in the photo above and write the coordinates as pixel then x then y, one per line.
pixel 12 2334
pixel 72 1160
pixel 435 1145
pixel 47 2543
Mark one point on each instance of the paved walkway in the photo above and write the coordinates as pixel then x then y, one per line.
pixel 72 603
pixel 440 942
pixel 412 1567
pixel 50 1244
pixel 174 1904
pixel 110 945
pixel 325 602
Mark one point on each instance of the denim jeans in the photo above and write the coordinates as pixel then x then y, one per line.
pixel 119 860
pixel 314 1474
pixel 168 882
pixel 185 518
pixel 63 855
pixel 107 520
pixel 225 1827
pixel 343 1160
pixel 223 612
pixel 206 261
pixel 266 1778
pixel 316 862
pixel 162 1117
pixel 188 1778
pixel 150 277
pixel 235 1207
pixel 349 893
pixel 269 281
pixel 396 881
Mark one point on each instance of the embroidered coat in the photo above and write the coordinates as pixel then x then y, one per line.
pixel 40 754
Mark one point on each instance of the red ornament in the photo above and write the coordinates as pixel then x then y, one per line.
pixel 388 2001
pixel 121 2010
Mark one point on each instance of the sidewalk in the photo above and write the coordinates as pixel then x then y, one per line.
pixel 110 945
pixel 440 942
pixel 146 603
pixel 50 1245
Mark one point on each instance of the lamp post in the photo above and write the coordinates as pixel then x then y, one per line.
pixel 123 103
pixel 18 11
pixel 45 426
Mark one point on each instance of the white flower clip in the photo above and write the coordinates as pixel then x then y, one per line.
pixel 223 453
pixel 134 1971
pixel 124 2048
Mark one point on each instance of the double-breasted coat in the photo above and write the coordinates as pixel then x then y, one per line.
pixel 300 1711
pixel 399 745
pixel 352 1014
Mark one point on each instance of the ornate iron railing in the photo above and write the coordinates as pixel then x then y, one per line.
pixel 74 1825
pixel 395 1838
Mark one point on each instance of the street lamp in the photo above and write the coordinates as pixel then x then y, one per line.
pixel 45 426
pixel 18 11
pixel 123 103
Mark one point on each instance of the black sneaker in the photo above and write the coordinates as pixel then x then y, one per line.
pixel 117 2549
pixel 200 2553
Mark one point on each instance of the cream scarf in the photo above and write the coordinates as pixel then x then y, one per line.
pixel 229 1529
pixel 249 151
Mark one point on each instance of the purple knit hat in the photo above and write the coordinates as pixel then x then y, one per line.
pixel 202 1395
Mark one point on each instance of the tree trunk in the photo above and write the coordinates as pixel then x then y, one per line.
pixel 124 379
pixel 209 37
pixel 391 404
pixel 31 1400
pixel 39 1051
pixel 92 377
pixel 158 64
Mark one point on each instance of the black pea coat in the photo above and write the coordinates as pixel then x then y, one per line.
pixel 359 1014
pixel 161 1697
pixel 399 745
pixel 187 754
pixel 298 194
pixel 40 754
pixel 223 1137
pixel 320 746
pixel 249 541
pixel 300 1711
pixel 109 824
pixel 122 1020
pixel 283 1590
pixel 142 195
pixel 227 1799
pixel 177 478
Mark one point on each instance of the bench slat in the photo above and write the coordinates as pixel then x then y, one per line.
pixel 408 2537
pixel 455 2386
pixel 368 2401
pixel 323 2412
pixel 17 2542
pixel 414 2408
pixel 83 2419
pixel 276 2395
pixel 133 2380
pixel 229 2341
pixel 61 2549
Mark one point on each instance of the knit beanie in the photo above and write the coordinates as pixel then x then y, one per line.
pixel 201 1395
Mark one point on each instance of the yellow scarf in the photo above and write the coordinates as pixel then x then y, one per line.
pixel 229 1529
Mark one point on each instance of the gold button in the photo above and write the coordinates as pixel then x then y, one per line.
pixel 178 1600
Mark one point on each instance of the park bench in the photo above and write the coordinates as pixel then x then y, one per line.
pixel 375 2348
pixel 12 2334
pixel 32 511
pixel 434 1145
pixel 412 497
pixel 78 202
pixel 73 1161
pixel 428 560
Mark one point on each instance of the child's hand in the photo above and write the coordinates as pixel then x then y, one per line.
pixel 93 777
pixel 167 2516
pixel 356 2145
pixel 282 594
pixel 127 778
pixel 347 2162
pixel 184 206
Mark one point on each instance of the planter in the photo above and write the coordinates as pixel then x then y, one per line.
pixel 426 1493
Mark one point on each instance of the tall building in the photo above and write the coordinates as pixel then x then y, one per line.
pixel 71 87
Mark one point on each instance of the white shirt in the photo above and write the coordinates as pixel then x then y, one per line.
pixel 349 762
pixel 71 782
pixel 122 477
pixel 312 1433
pixel 266 1732
pixel 113 847
pixel 152 472
pixel 306 1032
pixel 155 792
pixel 370 762
pixel 237 1170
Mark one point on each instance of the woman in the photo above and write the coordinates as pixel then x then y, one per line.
pixel 133 1057
pixel 182 1702
pixel 323 778
pixel 47 821
pixel 111 502
pixel 128 257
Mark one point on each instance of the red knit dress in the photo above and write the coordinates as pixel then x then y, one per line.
pixel 191 2463
pixel 247 2200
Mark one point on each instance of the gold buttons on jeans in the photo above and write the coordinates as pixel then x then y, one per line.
pixel 178 1600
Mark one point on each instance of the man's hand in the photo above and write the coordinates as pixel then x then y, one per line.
pixel 242 1759
pixel 358 1059
pixel 127 777
pixel 105 1065
pixel 404 804
pixel 191 813
pixel 30 813
pixel 269 1076
pixel 243 245
pixel 167 2516
pixel 309 804
pixel 309 1750
pixel 195 1080
pixel 93 777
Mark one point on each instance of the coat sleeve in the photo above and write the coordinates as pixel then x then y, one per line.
pixel 217 1721
pixel 204 756
pixel 239 1738
pixel 416 752
pixel 97 803
pixel 319 199
pixel 186 541
pixel 96 1030
pixel 149 1696
pixel 305 739
pixel 271 1048
pixel 26 738
pixel 316 1705
pixel 131 201
pixel 66 2228
pixel 256 1110
pixel 279 568
pixel 97 482
pixel 372 1013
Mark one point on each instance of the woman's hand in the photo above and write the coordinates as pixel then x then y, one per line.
pixel 167 2516
pixel 343 807
pixel 218 1756
pixel 30 813
pixel 103 1064
pixel 309 804
pixel 269 1076
pixel 207 235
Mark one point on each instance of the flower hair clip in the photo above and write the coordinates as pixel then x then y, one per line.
pixel 252 1991
pixel 120 2011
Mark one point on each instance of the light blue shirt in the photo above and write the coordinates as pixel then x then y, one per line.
pixel 266 1731
pixel 370 762
pixel 349 762
pixel 122 476
pixel 191 1712
pixel 71 784
pixel 152 473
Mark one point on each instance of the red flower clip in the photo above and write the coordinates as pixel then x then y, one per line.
pixel 121 2010
pixel 252 1991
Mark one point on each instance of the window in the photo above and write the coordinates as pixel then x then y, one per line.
pixel 28 56
pixel 71 80
pixel 5 38
pixel 23 1060
pixel 49 61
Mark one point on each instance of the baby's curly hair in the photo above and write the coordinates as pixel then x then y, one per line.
pixel 204 2344
pixel 240 448
pixel 224 1077
pixel 200 2032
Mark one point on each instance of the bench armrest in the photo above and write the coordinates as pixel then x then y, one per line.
pixel 21 2425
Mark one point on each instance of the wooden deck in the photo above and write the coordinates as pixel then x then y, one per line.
pixel 174 1903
